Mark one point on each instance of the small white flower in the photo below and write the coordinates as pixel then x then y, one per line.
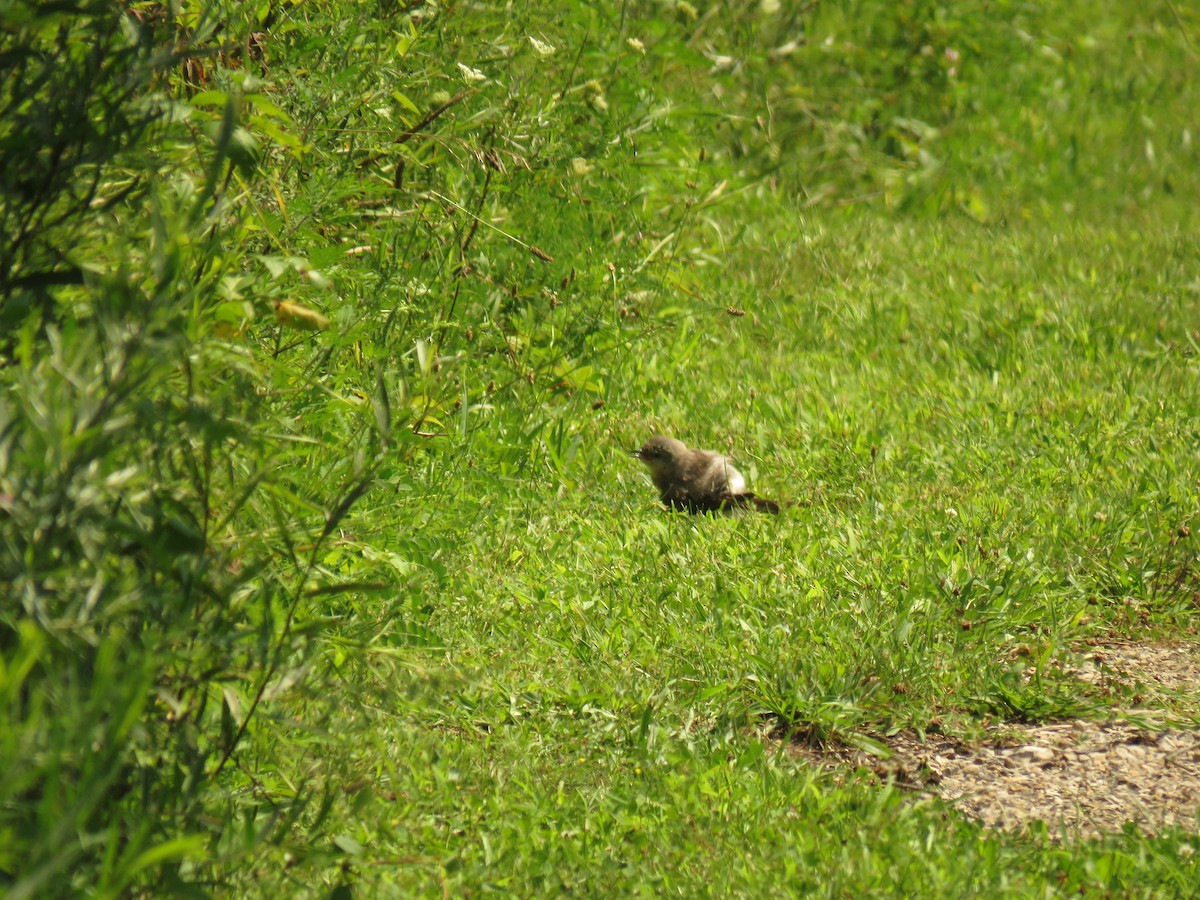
pixel 720 62
pixel 785 49
pixel 580 166
pixel 470 74
pixel 952 512
pixel 636 45
pixel 541 48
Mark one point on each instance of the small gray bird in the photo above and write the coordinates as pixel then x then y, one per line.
pixel 697 480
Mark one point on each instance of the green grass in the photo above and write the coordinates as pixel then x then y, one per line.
pixel 984 471
pixel 389 609
pixel 978 488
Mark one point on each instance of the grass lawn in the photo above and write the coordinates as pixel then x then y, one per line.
pixel 388 609
pixel 987 469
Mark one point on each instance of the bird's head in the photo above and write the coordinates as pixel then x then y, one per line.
pixel 660 452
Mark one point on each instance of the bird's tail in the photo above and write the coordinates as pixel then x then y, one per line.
pixel 762 504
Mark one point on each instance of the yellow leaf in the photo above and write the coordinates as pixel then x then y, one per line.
pixel 293 315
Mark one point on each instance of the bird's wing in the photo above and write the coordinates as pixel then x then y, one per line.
pixel 734 482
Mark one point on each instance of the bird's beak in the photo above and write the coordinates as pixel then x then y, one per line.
pixel 637 453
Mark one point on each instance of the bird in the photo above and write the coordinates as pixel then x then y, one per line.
pixel 697 480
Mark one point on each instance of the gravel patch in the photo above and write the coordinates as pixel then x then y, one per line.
pixel 1082 778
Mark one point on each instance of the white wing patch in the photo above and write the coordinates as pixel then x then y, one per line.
pixel 734 482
